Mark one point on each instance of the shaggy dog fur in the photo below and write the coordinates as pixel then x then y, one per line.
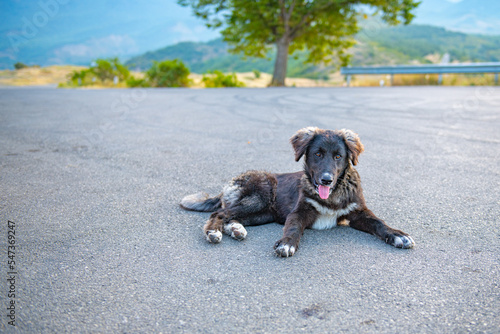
pixel 326 192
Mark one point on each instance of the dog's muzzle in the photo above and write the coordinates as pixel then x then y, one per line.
pixel 324 188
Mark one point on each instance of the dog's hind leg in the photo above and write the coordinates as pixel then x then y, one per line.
pixel 232 221
pixel 236 211
pixel 225 220
pixel 213 227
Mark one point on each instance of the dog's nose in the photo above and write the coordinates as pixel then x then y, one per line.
pixel 326 179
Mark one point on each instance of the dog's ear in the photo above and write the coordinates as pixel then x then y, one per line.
pixel 301 139
pixel 354 145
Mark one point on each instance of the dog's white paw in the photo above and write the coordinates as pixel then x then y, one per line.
pixel 400 241
pixel 235 230
pixel 214 236
pixel 285 250
pixel 406 242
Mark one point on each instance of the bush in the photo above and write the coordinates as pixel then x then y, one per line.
pixel 20 65
pixel 217 79
pixel 132 82
pixel 102 72
pixel 107 70
pixel 168 73
pixel 256 73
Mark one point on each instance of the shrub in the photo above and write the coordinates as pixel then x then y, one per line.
pixel 132 82
pixel 217 79
pixel 77 78
pixel 102 72
pixel 107 70
pixel 168 73
pixel 256 73
pixel 20 65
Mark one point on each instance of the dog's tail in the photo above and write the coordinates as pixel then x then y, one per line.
pixel 201 202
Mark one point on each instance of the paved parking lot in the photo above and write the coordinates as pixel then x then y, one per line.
pixel 92 180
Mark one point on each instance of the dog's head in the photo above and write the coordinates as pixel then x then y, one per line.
pixel 327 154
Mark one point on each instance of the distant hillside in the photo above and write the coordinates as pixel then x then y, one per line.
pixel 377 45
pixel 469 16
pixel 213 55
pixel 418 41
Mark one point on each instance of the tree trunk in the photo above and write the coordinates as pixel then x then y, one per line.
pixel 281 62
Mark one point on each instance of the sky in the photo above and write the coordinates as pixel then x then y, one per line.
pixel 73 31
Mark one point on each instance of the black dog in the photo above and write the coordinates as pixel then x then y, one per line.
pixel 326 192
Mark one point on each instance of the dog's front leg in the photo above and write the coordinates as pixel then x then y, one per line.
pixel 289 243
pixel 366 221
pixel 295 224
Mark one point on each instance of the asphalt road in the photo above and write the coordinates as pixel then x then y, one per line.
pixel 92 180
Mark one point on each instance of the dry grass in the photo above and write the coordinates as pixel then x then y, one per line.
pixel 249 79
pixel 53 75
pixel 424 80
pixel 36 76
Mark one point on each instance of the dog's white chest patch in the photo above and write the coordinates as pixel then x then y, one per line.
pixel 328 217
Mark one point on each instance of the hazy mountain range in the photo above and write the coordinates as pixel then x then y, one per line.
pixel 75 32
pixel 469 16
pixel 48 32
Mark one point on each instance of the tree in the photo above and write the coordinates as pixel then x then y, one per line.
pixel 323 27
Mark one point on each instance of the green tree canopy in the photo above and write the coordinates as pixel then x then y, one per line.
pixel 322 27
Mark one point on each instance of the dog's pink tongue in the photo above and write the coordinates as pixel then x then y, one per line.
pixel 324 191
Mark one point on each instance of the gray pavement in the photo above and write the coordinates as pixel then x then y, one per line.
pixel 93 178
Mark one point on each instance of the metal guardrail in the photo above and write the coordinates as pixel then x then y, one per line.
pixel 423 69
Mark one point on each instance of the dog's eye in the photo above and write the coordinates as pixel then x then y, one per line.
pixel 319 154
pixel 337 157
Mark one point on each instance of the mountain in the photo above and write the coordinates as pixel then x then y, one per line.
pixel 469 16
pixel 377 44
pixel 416 42
pixel 46 32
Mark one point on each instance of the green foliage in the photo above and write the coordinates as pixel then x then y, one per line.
pixel 20 65
pixel 168 73
pixel 217 79
pixel 107 70
pixel 132 82
pixel 324 28
pixel 102 72
pixel 79 78
pixel 256 73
